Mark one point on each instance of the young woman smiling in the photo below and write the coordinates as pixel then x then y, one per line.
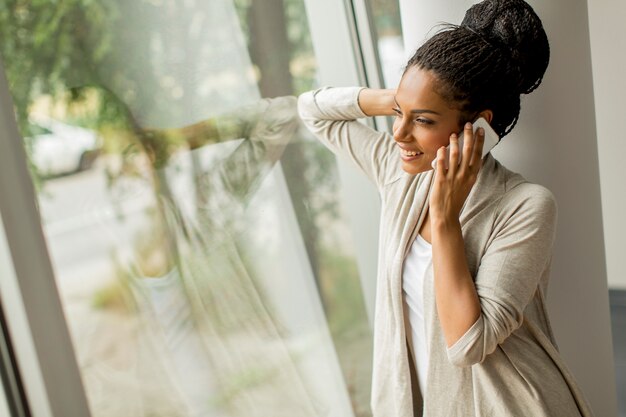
pixel 461 325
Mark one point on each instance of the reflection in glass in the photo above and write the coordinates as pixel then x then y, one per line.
pixel 216 338
pixel 200 250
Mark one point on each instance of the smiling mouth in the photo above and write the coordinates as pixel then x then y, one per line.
pixel 410 153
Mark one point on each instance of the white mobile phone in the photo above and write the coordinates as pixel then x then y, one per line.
pixel 491 140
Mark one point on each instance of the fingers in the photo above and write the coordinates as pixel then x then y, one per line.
pixel 454 154
pixel 468 139
pixel 441 162
pixel 477 152
pixel 472 149
pixel 464 156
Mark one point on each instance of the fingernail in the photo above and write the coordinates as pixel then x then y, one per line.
pixel 481 131
pixel 468 125
pixel 453 136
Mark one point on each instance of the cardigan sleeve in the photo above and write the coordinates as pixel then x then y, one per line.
pixel 229 182
pixel 515 260
pixel 331 115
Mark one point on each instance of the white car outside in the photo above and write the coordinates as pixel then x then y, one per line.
pixel 59 148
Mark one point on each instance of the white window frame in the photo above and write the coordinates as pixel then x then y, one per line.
pixel 32 307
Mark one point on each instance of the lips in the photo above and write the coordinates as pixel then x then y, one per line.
pixel 409 153
pixel 406 152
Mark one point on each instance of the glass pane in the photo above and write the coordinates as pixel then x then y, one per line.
pixel 8 377
pixel 387 25
pixel 6 367
pixel 617 299
pixel 4 407
pixel 200 248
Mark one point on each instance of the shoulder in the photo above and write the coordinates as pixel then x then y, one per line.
pixel 508 192
pixel 530 194
pixel 523 218
pixel 521 198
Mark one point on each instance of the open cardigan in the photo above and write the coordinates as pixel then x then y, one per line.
pixel 507 363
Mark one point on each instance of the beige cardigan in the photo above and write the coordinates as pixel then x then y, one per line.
pixel 507 363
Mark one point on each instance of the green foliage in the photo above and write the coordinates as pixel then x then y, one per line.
pixel 50 48
pixel 303 64
pixel 57 48
pixel 113 296
pixel 342 290
pixel 44 46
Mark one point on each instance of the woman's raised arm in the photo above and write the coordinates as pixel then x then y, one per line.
pixel 376 102
pixel 331 115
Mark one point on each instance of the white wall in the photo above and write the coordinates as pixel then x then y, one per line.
pixel 554 145
pixel 608 35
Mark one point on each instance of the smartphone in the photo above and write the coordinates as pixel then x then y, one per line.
pixel 491 140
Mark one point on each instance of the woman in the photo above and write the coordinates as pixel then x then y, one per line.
pixel 461 325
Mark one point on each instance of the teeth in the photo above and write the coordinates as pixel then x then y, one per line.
pixel 409 153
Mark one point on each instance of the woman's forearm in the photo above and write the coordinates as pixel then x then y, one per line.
pixel 458 305
pixel 377 102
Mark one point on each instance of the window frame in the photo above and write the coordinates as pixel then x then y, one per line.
pixel 41 341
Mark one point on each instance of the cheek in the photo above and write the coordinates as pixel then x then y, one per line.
pixel 432 141
pixel 396 124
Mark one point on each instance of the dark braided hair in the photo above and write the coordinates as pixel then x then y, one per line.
pixel 499 52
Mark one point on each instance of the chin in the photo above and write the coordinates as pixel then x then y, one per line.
pixel 413 169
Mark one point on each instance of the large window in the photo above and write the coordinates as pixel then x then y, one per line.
pixel 388 28
pixel 202 254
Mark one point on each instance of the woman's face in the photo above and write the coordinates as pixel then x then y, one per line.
pixel 424 121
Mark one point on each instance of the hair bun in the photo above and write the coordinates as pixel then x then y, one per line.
pixel 514 28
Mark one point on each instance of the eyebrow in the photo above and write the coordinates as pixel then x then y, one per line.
pixel 417 111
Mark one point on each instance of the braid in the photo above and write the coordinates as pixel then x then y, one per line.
pixel 499 52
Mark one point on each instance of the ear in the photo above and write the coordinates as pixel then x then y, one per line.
pixel 487 115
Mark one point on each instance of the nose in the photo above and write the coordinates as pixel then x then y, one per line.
pixel 401 131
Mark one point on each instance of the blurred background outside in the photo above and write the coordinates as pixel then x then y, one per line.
pixel 201 250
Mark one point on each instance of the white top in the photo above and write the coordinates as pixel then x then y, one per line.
pixel 415 265
pixel 165 299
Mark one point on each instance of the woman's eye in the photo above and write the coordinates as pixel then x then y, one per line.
pixel 418 120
